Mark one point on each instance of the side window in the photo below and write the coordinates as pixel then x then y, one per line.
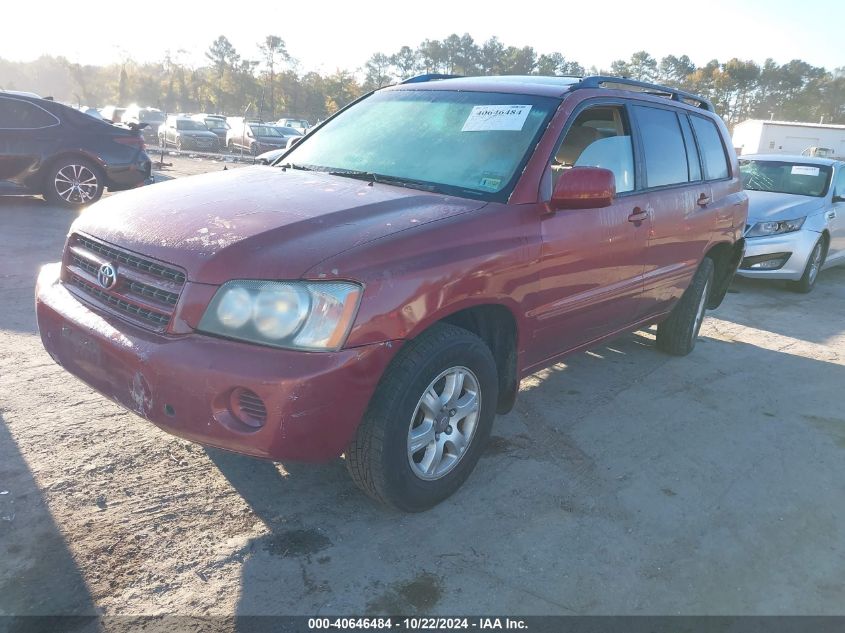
pixel 16 114
pixel 599 137
pixel 712 150
pixel 692 150
pixel 839 183
pixel 663 146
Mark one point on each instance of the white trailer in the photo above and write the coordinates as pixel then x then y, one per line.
pixel 756 136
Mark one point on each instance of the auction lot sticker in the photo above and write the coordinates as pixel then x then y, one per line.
pixel 805 170
pixel 487 118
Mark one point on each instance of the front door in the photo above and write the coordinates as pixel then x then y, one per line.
pixel 591 268
pixel 836 215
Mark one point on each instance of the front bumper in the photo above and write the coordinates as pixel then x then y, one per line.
pixel 205 144
pixel 314 401
pixel 798 243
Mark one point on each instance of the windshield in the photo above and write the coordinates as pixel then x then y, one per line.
pixel 465 143
pixel 263 130
pixel 151 117
pixel 185 124
pixel 800 179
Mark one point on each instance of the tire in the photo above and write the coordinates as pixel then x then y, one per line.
pixel 811 271
pixel 73 182
pixel 379 458
pixel 678 333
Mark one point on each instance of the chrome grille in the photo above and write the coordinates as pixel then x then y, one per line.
pixel 121 257
pixel 145 292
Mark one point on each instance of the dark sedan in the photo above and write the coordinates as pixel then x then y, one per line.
pixel 70 158
pixel 257 138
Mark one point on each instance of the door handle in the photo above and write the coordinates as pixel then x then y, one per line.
pixel 638 215
pixel 703 200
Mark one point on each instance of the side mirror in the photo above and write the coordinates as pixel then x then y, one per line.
pixel 838 199
pixel 584 188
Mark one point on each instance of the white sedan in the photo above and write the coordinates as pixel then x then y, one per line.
pixel 796 217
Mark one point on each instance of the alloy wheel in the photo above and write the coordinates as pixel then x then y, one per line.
pixel 815 263
pixel 76 184
pixel 699 315
pixel 444 423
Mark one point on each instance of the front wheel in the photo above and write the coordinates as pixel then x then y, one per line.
pixel 678 333
pixel 812 269
pixel 74 182
pixel 428 420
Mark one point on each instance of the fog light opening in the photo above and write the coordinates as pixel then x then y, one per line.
pixel 169 410
pixel 247 407
pixel 771 261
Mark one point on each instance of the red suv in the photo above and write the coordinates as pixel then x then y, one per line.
pixel 380 290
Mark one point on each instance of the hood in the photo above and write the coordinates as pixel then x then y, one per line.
pixel 272 155
pixel 259 222
pixel 764 206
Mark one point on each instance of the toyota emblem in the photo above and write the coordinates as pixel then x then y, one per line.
pixel 107 276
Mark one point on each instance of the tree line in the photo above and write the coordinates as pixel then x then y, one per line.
pixel 272 84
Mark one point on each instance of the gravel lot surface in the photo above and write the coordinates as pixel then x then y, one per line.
pixel 624 482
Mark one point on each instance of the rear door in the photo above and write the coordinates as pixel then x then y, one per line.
pixel 28 133
pixel 681 200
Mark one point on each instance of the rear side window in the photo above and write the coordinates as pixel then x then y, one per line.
pixel 663 146
pixel 692 151
pixel 16 114
pixel 712 150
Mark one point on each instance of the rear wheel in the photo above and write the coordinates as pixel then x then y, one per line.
pixel 428 420
pixel 678 333
pixel 74 182
pixel 812 269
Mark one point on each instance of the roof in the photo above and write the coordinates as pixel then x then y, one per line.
pixel 538 85
pixel 550 86
pixel 831 126
pixel 792 158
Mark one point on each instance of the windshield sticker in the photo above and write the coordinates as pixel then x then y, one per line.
pixel 490 181
pixel 804 170
pixel 487 118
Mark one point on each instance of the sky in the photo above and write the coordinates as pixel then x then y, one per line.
pixel 343 34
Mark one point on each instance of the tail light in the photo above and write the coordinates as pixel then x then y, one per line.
pixel 132 141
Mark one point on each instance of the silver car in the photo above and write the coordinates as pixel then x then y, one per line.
pixel 796 217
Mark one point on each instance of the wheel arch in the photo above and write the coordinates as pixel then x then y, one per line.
pixel 497 326
pixel 726 258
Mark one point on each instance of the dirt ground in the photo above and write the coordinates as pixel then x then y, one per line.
pixel 624 482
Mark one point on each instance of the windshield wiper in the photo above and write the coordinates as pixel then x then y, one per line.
pixel 370 176
pixel 295 166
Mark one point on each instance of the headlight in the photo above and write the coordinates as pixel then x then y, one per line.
pixel 308 315
pixel 775 228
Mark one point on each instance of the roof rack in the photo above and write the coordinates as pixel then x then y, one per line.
pixel 428 77
pixel 599 81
